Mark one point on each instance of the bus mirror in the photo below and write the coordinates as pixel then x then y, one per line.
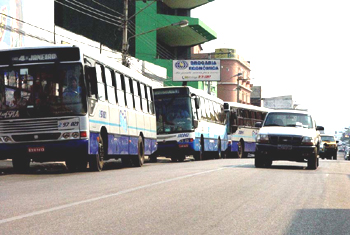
pixel 195 124
pixel 226 107
pixel 197 102
pixel 258 124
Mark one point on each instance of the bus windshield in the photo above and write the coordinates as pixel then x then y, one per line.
pixel 173 114
pixel 48 90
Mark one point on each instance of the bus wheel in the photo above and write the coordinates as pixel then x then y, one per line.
pixel 240 152
pixel 218 155
pixel 181 158
pixel 199 156
pixel 20 164
pixel 139 159
pixel 96 161
pixel 76 164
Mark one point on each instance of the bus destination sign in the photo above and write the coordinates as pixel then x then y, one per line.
pixel 35 57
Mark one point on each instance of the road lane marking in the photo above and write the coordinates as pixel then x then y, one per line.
pixel 40 212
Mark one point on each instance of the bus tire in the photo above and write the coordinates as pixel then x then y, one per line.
pixel 199 156
pixel 181 158
pixel 139 159
pixel 152 158
pixel 96 161
pixel 21 164
pixel 240 152
pixel 218 155
pixel 73 164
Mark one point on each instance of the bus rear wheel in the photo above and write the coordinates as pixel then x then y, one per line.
pixel 96 161
pixel 139 159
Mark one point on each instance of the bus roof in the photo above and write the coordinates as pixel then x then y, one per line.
pixel 249 107
pixel 197 92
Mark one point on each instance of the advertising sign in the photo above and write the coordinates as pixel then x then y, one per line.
pixel 196 70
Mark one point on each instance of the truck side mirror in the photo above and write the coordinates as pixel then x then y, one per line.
pixel 319 128
pixel 258 124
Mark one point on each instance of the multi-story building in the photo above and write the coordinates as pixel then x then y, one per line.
pixel 151 36
pixel 234 85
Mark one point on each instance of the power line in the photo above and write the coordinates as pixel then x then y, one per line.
pixel 112 23
pixel 108 8
pixel 119 19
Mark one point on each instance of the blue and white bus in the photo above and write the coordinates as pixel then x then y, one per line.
pixel 59 104
pixel 241 128
pixel 189 122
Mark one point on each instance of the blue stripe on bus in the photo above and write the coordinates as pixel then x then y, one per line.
pixel 118 125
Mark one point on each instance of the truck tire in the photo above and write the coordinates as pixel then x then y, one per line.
pixel 312 161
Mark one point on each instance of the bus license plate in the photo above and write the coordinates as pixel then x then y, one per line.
pixel 36 149
pixel 284 147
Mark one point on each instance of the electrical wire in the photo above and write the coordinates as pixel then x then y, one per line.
pixel 120 19
pixel 112 23
pixel 108 8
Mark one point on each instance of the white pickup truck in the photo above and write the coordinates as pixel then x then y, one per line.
pixel 289 135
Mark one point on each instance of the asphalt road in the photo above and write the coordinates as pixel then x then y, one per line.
pixel 225 196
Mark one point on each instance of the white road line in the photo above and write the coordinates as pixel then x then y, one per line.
pixel 106 196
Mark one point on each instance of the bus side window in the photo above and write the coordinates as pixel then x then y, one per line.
pixel 136 97
pixel 203 108
pixel 110 87
pixel 129 98
pixel 101 88
pixel 91 81
pixel 150 100
pixel 144 104
pixel 120 89
pixel 194 110
pixel 211 109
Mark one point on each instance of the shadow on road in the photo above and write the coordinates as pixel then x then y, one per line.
pixel 320 221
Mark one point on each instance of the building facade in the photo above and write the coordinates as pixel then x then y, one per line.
pixel 235 82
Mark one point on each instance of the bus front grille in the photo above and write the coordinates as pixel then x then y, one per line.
pixel 25 126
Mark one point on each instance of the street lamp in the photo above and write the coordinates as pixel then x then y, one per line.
pixel 182 23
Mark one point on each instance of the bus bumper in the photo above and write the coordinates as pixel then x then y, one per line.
pixel 167 149
pixel 45 151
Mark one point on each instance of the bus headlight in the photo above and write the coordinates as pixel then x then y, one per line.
pixel 190 140
pixel 262 138
pixel 307 140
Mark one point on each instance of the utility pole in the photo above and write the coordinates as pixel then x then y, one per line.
pixel 125 35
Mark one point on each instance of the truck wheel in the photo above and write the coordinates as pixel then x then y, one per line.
pixel 312 161
pixel 240 149
pixel 21 164
pixel 258 161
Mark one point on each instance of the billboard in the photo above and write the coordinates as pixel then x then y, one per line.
pixel 196 70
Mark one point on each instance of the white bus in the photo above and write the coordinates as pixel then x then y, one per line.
pixel 59 104
pixel 241 128
pixel 189 122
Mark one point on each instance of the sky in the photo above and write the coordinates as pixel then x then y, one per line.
pixel 299 48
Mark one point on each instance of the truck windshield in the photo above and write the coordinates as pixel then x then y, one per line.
pixel 288 119
pixel 328 138
pixel 173 114
pixel 48 90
